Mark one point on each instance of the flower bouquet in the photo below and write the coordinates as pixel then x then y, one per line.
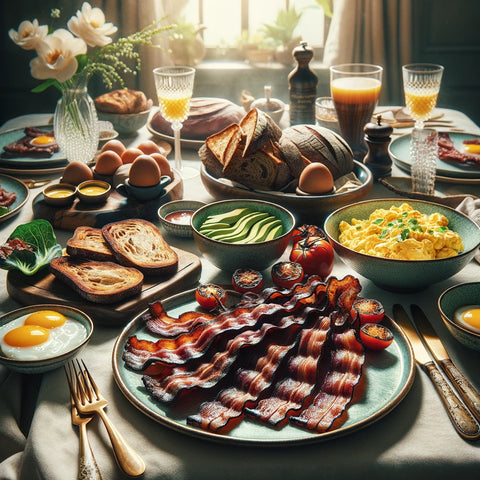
pixel 67 59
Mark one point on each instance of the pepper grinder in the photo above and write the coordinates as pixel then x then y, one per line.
pixel 377 137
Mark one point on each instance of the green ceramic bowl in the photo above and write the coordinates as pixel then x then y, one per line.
pixel 453 298
pixel 403 275
pixel 230 256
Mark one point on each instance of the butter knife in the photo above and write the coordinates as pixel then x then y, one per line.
pixel 463 421
pixel 465 389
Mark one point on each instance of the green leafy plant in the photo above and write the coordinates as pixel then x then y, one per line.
pixel 282 30
pixel 39 235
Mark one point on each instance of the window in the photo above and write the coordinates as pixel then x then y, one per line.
pixel 225 20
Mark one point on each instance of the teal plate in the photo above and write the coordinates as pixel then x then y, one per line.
pixel 22 193
pixel 387 377
pixel 399 150
pixel 15 134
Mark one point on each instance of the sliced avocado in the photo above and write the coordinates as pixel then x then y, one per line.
pixel 211 228
pixel 232 228
pixel 260 234
pixel 255 230
pixel 274 232
pixel 243 228
pixel 227 217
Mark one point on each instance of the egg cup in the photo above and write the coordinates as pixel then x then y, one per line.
pixel 305 194
pixel 94 191
pixel 60 194
pixel 144 193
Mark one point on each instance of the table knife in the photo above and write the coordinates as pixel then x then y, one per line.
pixel 465 389
pixel 463 421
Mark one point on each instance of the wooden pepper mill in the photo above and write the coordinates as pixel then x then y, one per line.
pixel 377 137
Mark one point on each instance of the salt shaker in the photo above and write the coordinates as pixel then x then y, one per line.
pixel 377 138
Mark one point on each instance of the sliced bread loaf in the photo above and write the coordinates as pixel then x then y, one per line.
pixel 88 242
pixel 98 282
pixel 139 243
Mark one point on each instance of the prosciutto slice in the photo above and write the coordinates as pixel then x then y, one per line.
pixel 336 392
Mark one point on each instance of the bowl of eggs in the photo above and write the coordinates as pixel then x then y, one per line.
pixel 459 307
pixel 39 338
pixel 403 245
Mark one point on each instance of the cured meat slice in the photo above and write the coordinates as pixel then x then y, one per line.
pixel 227 410
pixel 208 374
pixel 24 145
pixel 448 152
pixel 336 392
pixel 291 393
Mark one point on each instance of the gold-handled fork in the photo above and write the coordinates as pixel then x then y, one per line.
pixel 88 400
pixel 88 468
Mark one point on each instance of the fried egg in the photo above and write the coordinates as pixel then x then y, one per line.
pixel 468 316
pixel 42 334
pixel 43 141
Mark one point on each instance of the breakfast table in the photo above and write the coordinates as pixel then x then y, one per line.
pixel 414 440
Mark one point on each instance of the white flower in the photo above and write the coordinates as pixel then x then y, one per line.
pixel 29 34
pixel 90 25
pixel 56 56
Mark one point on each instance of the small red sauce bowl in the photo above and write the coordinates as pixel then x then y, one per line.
pixel 175 217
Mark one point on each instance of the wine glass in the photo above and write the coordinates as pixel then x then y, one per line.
pixel 174 87
pixel 355 88
pixel 421 84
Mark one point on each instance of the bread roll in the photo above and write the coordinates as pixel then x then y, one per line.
pixel 122 101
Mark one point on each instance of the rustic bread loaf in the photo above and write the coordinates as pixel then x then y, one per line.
pixel 258 129
pixel 88 242
pixel 206 117
pixel 122 101
pixel 98 282
pixel 139 243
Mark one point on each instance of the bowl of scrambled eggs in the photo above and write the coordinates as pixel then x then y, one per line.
pixel 403 245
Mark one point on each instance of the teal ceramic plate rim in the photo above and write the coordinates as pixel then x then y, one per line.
pixel 15 134
pixel 399 151
pixel 388 376
pixel 22 192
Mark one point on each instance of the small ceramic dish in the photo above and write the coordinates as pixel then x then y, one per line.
pixel 93 191
pixel 452 303
pixel 125 123
pixel 175 217
pixel 60 194
pixel 63 342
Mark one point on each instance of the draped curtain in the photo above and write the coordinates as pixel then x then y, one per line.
pixel 373 31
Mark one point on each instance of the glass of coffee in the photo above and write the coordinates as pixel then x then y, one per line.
pixel 355 88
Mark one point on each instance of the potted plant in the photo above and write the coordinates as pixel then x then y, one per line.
pixel 186 44
pixel 256 48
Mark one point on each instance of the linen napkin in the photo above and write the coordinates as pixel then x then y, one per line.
pixel 471 207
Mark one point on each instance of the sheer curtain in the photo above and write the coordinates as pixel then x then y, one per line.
pixel 133 15
pixel 373 31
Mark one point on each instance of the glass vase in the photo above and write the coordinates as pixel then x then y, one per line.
pixel 75 123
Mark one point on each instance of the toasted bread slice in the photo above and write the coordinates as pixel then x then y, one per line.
pixel 88 242
pixel 98 282
pixel 258 128
pixel 139 243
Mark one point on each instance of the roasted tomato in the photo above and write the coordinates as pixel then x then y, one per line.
pixel 306 231
pixel 375 336
pixel 315 255
pixel 367 310
pixel 247 280
pixel 210 296
pixel 287 274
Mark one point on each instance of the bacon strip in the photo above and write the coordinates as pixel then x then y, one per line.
pixel 448 152
pixel 336 393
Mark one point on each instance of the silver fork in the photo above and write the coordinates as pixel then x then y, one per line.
pixel 88 400
pixel 88 468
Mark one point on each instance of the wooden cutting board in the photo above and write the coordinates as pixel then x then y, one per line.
pixel 45 288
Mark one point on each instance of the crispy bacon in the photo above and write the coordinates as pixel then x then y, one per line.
pixel 7 198
pixel 448 152
pixel 11 245
pixel 336 392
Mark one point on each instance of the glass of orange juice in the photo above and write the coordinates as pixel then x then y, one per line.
pixel 421 84
pixel 174 87
pixel 355 88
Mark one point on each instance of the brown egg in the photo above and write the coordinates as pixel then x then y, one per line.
pixel 144 172
pixel 107 163
pixel 148 147
pixel 163 164
pixel 316 179
pixel 76 173
pixel 130 154
pixel 115 146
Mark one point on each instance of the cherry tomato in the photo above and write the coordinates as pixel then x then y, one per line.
pixel 210 296
pixel 375 336
pixel 367 310
pixel 287 274
pixel 315 255
pixel 306 231
pixel 247 280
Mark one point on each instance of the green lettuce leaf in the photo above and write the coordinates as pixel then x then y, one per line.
pixel 40 235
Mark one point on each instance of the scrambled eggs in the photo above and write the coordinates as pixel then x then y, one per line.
pixel 401 233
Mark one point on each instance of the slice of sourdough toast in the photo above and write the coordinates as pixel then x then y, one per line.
pixel 88 242
pixel 98 282
pixel 139 243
